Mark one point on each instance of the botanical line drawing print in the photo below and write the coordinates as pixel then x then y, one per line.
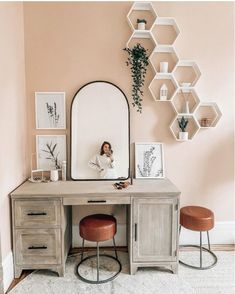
pixel 52 113
pixel 52 154
pixel 148 160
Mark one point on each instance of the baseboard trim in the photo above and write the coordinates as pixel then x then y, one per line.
pixel 223 233
pixel 8 271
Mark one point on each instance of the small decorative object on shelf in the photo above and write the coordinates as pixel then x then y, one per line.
pixel 183 135
pixel 163 92
pixel 36 174
pixel 206 122
pixel 138 61
pixel 63 168
pixel 141 24
pixel 54 175
pixel 163 67
pixel 185 107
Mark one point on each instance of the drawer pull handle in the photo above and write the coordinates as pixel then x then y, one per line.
pixel 96 201
pixel 37 247
pixel 135 232
pixel 37 213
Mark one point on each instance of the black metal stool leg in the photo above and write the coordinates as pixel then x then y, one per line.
pixel 82 249
pixel 114 245
pixel 98 261
pixel 97 256
pixel 208 239
pixel 180 230
pixel 200 249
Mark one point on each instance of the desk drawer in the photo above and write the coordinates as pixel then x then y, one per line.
pixel 37 213
pixel 41 246
pixel 92 200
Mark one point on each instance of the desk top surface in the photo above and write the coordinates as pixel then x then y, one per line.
pixel 140 187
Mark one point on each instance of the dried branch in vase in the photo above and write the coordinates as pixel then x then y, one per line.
pixel 51 154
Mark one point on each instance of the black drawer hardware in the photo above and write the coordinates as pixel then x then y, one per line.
pixel 96 201
pixel 37 213
pixel 135 232
pixel 37 247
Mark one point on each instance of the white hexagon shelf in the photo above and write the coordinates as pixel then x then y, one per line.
pixel 163 54
pixel 165 30
pixel 145 38
pixel 141 10
pixel 192 127
pixel 181 75
pixel 186 73
pixel 158 81
pixel 185 98
pixel 208 115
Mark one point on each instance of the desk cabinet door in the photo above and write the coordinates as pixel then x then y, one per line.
pixel 155 227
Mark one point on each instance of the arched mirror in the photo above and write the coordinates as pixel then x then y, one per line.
pixel 100 133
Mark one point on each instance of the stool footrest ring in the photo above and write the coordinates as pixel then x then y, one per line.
pixel 199 267
pixel 100 281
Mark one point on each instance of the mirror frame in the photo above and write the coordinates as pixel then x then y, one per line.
pixel 128 108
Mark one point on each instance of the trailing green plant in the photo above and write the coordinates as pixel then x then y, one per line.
pixel 141 20
pixel 182 123
pixel 138 62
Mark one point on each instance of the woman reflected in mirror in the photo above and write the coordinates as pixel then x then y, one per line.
pixel 104 162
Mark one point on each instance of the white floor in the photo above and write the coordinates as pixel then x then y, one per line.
pixel 218 280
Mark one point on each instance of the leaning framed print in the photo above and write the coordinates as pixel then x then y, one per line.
pixel 149 160
pixel 50 110
pixel 51 151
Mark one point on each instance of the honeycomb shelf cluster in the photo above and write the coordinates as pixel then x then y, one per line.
pixel 182 75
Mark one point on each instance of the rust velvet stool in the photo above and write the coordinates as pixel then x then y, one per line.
pixel 197 218
pixel 98 228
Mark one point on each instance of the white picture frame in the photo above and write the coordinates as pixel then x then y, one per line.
pixel 149 160
pixel 44 159
pixel 50 110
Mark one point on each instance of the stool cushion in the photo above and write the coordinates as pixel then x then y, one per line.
pixel 98 227
pixel 196 218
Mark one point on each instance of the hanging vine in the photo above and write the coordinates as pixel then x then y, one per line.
pixel 138 62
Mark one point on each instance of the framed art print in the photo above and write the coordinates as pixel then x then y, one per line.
pixel 50 112
pixel 149 161
pixel 51 151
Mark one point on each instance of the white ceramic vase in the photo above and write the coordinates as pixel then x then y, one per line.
pixel 54 175
pixel 186 107
pixel 164 67
pixel 183 136
pixel 141 26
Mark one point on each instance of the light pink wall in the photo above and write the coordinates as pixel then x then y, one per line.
pixel 13 125
pixel 70 44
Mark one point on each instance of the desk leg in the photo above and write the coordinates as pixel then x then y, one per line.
pixel 133 269
pixel 17 271
pixel 60 270
pixel 174 268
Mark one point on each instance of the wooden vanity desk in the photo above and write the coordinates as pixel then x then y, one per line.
pixel 41 215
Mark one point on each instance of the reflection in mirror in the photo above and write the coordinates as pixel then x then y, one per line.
pixel 100 133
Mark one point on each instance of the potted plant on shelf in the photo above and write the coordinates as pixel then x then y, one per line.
pixel 138 61
pixel 141 24
pixel 183 135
